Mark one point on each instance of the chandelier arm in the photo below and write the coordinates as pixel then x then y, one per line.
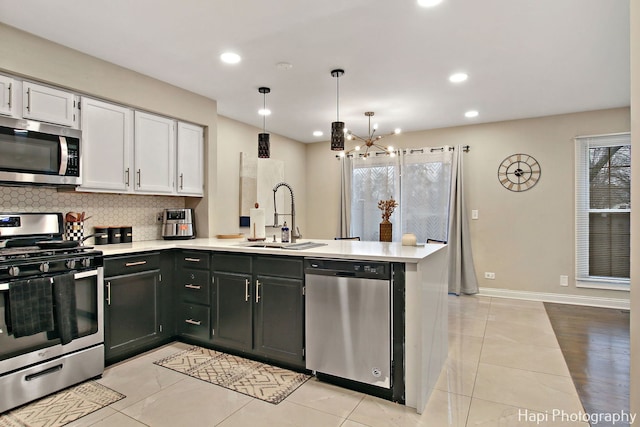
pixel 358 137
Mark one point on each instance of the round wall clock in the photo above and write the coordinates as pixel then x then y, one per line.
pixel 519 172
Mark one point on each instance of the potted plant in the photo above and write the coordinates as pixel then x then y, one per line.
pixel 386 228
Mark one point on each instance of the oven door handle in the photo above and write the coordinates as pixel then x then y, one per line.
pixel 78 275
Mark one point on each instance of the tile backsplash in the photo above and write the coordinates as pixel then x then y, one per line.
pixel 138 211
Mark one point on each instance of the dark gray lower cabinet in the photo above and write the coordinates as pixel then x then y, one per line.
pixel 232 326
pixel 258 306
pixel 278 325
pixel 133 305
pixel 192 283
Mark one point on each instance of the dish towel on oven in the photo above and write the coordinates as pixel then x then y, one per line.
pixel 64 297
pixel 30 307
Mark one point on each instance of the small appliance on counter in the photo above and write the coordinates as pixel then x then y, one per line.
pixel 178 224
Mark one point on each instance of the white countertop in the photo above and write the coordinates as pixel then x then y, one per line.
pixel 340 249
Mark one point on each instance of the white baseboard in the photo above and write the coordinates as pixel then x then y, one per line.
pixel 618 303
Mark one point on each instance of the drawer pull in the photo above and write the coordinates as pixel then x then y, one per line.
pixel 189 286
pixel 193 322
pixel 192 259
pixel 133 264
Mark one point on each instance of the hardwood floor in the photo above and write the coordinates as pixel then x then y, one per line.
pixel 595 345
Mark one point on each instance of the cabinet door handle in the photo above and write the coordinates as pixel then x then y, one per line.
pixel 126 180
pixel 10 93
pixel 190 286
pixel 246 289
pixel 257 291
pixel 133 264
pixel 193 322
pixel 181 181
pixel 108 293
pixel 192 259
pixel 139 177
pixel 29 100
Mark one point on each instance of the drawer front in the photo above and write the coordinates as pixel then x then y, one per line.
pixel 194 286
pixel 119 265
pixel 193 321
pixel 232 263
pixel 194 259
pixel 279 266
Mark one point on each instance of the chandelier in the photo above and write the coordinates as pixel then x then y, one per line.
pixel 372 140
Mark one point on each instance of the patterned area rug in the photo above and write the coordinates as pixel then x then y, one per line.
pixel 255 379
pixel 62 407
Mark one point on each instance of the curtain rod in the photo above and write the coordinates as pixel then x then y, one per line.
pixel 465 148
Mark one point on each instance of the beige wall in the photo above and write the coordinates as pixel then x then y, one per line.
pixel 526 238
pixel 38 59
pixel 635 202
pixel 234 138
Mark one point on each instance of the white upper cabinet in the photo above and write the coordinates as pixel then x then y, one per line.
pixel 50 105
pixel 154 154
pixel 7 89
pixel 190 172
pixel 107 147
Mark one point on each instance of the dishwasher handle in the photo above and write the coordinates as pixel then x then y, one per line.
pixel 345 274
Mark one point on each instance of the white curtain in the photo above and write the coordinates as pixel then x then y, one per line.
pixel 374 178
pixel 425 187
pixel 346 172
pixel 428 185
pixel 462 272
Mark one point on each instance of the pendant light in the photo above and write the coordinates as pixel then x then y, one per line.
pixel 264 151
pixel 337 127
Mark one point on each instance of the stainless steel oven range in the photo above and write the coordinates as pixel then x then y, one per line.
pixel 51 319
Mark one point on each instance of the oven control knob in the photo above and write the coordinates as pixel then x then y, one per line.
pixel 44 267
pixel 86 262
pixel 14 271
pixel 71 264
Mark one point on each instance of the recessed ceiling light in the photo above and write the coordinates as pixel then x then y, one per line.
pixel 264 112
pixel 471 114
pixel 429 3
pixel 458 77
pixel 230 58
pixel 317 133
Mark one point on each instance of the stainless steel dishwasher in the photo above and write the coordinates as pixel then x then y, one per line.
pixel 348 324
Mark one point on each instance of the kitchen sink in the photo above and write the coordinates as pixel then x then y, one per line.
pixel 278 245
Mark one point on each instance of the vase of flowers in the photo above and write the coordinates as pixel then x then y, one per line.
pixel 386 228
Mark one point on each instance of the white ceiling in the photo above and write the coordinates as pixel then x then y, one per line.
pixel 525 58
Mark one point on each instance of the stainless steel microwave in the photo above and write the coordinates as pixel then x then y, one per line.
pixel 38 153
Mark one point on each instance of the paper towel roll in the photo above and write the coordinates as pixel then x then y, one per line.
pixel 257 223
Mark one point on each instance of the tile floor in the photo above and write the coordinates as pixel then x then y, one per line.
pixel 504 369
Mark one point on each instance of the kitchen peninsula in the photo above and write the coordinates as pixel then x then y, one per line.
pixel 425 310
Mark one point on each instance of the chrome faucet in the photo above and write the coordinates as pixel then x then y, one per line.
pixel 294 229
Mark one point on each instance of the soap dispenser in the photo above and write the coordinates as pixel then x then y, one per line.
pixel 285 233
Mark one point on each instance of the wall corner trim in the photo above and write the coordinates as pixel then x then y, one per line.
pixel 616 303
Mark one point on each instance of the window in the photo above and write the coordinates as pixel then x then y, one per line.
pixel 603 211
pixel 419 180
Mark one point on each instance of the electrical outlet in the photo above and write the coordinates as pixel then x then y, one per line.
pixel 489 275
pixel 159 217
pixel 474 214
pixel 564 280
